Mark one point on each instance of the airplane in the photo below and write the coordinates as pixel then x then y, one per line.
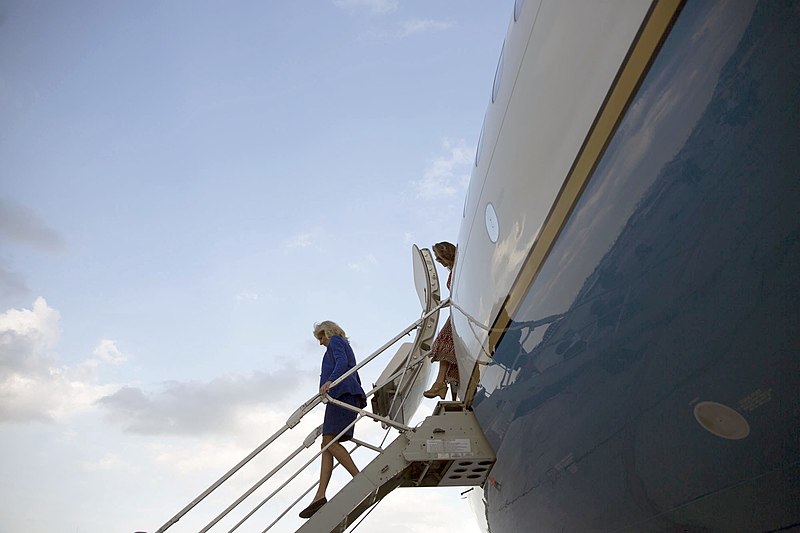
pixel 626 293
pixel 625 299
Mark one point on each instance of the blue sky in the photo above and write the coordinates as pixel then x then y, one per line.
pixel 185 188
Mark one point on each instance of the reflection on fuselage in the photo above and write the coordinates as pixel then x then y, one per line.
pixel 674 281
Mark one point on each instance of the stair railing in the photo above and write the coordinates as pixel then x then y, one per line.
pixel 295 418
pixel 310 440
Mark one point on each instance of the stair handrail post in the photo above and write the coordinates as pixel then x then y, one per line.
pixel 406 366
pixel 309 489
pixel 363 413
pixel 295 418
pixel 304 445
pixel 396 338
pixel 297 473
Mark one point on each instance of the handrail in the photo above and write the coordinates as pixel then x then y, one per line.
pixel 385 420
pixel 309 489
pixel 363 412
pixel 396 338
pixel 402 376
pixel 333 441
pixel 264 479
pixel 294 420
pixel 172 521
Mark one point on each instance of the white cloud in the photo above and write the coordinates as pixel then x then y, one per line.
pixel 301 240
pixel 199 456
pixel 231 415
pixel 32 385
pixel 406 28
pixel 410 27
pixel 53 397
pixel 373 7
pixel 246 296
pixel 364 264
pixel 110 462
pixel 220 452
pixel 452 512
pixel 27 337
pixel 191 408
pixel 447 175
pixel 107 351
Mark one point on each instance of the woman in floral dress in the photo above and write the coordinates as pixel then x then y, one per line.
pixel 443 348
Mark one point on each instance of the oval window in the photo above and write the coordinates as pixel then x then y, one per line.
pixel 480 143
pixel 492 224
pixel 498 75
pixel 518 8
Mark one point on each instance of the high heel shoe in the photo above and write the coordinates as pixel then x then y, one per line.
pixel 438 389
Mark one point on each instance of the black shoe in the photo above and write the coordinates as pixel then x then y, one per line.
pixel 315 506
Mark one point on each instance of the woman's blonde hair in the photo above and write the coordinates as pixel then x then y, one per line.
pixel 446 253
pixel 329 329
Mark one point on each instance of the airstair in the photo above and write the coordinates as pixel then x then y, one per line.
pixel 448 448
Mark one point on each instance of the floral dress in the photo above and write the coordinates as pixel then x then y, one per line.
pixel 444 349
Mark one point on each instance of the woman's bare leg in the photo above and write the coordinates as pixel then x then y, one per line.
pixel 343 456
pixel 444 366
pixel 325 468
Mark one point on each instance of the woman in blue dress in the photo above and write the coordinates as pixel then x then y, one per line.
pixel 338 359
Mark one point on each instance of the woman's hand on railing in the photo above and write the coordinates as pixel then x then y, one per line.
pixel 324 389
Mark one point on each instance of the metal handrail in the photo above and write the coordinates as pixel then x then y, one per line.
pixel 276 491
pixel 172 521
pixel 361 413
pixel 309 489
pixel 294 419
pixel 406 366
pixel 307 443
pixel 263 480
pixel 396 338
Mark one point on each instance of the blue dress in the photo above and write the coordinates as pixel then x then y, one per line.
pixel 338 359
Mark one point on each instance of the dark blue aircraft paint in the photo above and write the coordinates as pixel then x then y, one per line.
pixel 675 281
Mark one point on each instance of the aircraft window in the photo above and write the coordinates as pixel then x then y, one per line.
pixel 498 75
pixel 518 8
pixel 492 225
pixel 480 143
